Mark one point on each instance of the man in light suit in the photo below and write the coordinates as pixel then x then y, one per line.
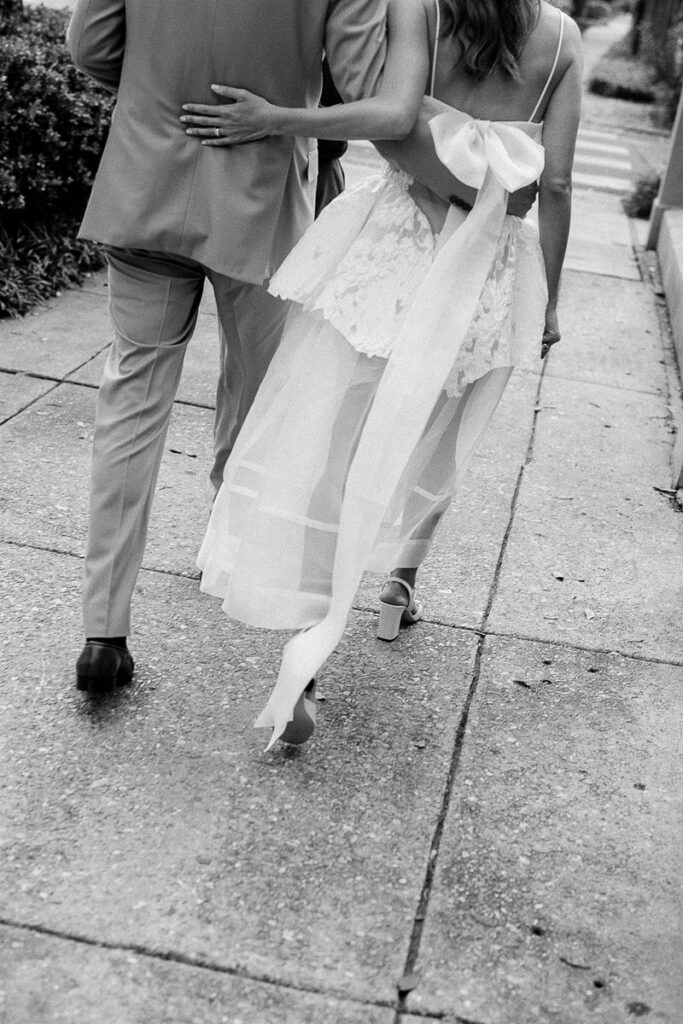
pixel 172 214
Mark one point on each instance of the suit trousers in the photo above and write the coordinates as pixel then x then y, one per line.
pixel 154 300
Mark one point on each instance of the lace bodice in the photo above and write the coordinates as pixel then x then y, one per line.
pixel 362 262
pixel 367 290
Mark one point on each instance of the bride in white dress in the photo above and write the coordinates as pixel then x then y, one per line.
pixel 408 316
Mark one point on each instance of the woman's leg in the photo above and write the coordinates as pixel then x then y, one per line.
pixel 433 489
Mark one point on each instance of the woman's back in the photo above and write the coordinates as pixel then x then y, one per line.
pixel 498 96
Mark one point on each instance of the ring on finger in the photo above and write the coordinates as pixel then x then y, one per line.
pixel 217 132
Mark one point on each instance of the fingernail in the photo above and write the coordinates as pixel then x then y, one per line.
pixel 183 119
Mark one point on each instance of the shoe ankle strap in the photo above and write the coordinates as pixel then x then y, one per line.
pixel 407 586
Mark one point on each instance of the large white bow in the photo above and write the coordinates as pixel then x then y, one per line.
pixel 472 148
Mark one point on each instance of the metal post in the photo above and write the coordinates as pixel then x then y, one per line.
pixel 671 189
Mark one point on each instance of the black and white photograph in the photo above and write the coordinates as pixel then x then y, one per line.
pixel 341 511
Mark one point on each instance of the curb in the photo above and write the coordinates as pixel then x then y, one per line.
pixel 670 254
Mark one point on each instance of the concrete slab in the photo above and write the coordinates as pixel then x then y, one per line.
pixel 200 370
pixel 154 819
pixel 49 980
pixel 208 303
pixel 56 338
pixel 455 581
pixel 17 391
pixel 557 893
pixel 46 461
pixel 600 241
pixel 595 555
pixel 599 319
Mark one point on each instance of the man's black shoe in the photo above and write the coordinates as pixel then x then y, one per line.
pixel 102 666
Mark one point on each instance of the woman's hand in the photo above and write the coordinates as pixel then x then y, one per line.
pixel 551 334
pixel 244 118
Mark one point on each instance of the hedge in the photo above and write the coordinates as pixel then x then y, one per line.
pixel 53 124
pixel 623 76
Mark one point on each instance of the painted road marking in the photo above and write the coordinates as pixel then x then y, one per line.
pixel 599 161
pixel 586 146
pixel 602 162
pixel 601 181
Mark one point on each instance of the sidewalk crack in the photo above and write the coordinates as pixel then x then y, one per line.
pixel 197 962
pixel 460 734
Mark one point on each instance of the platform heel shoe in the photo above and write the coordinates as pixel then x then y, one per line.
pixel 392 615
pixel 302 725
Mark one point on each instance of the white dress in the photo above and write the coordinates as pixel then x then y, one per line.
pixel 397 350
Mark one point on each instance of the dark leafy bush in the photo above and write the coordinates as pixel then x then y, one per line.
pixel 587 12
pixel 596 10
pixel 639 202
pixel 624 76
pixel 38 260
pixel 53 124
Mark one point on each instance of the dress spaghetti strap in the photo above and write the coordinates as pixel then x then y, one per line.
pixel 435 51
pixel 553 69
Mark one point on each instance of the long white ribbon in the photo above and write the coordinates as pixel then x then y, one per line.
pixel 494 157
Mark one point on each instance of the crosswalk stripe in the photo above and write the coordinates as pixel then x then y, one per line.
pixel 598 161
pixel 601 181
pixel 589 133
pixel 598 147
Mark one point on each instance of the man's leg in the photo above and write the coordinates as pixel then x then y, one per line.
pixel 251 322
pixel 154 299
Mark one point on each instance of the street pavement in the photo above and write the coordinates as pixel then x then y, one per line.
pixel 485 828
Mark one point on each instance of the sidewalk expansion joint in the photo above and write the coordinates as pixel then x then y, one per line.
pixel 83 384
pixel 50 549
pixel 613 277
pixel 404 1017
pixel 34 401
pixel 568 645
pixel 552 375
pixel 196 962
pixel 456 626
pixel 461 729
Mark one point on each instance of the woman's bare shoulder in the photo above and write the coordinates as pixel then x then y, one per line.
pixel 402 15
pixel 397 6
pixel 572 46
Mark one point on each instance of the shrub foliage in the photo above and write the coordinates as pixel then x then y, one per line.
pixel 639 202
pixel 646 66
pixel 622 75
pixel 53 124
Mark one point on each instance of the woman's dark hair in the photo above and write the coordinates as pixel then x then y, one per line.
pixel 492 33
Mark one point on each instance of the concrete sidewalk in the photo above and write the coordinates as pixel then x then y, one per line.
pixel 486 826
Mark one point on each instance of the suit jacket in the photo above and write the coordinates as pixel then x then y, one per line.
pixel 238 210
